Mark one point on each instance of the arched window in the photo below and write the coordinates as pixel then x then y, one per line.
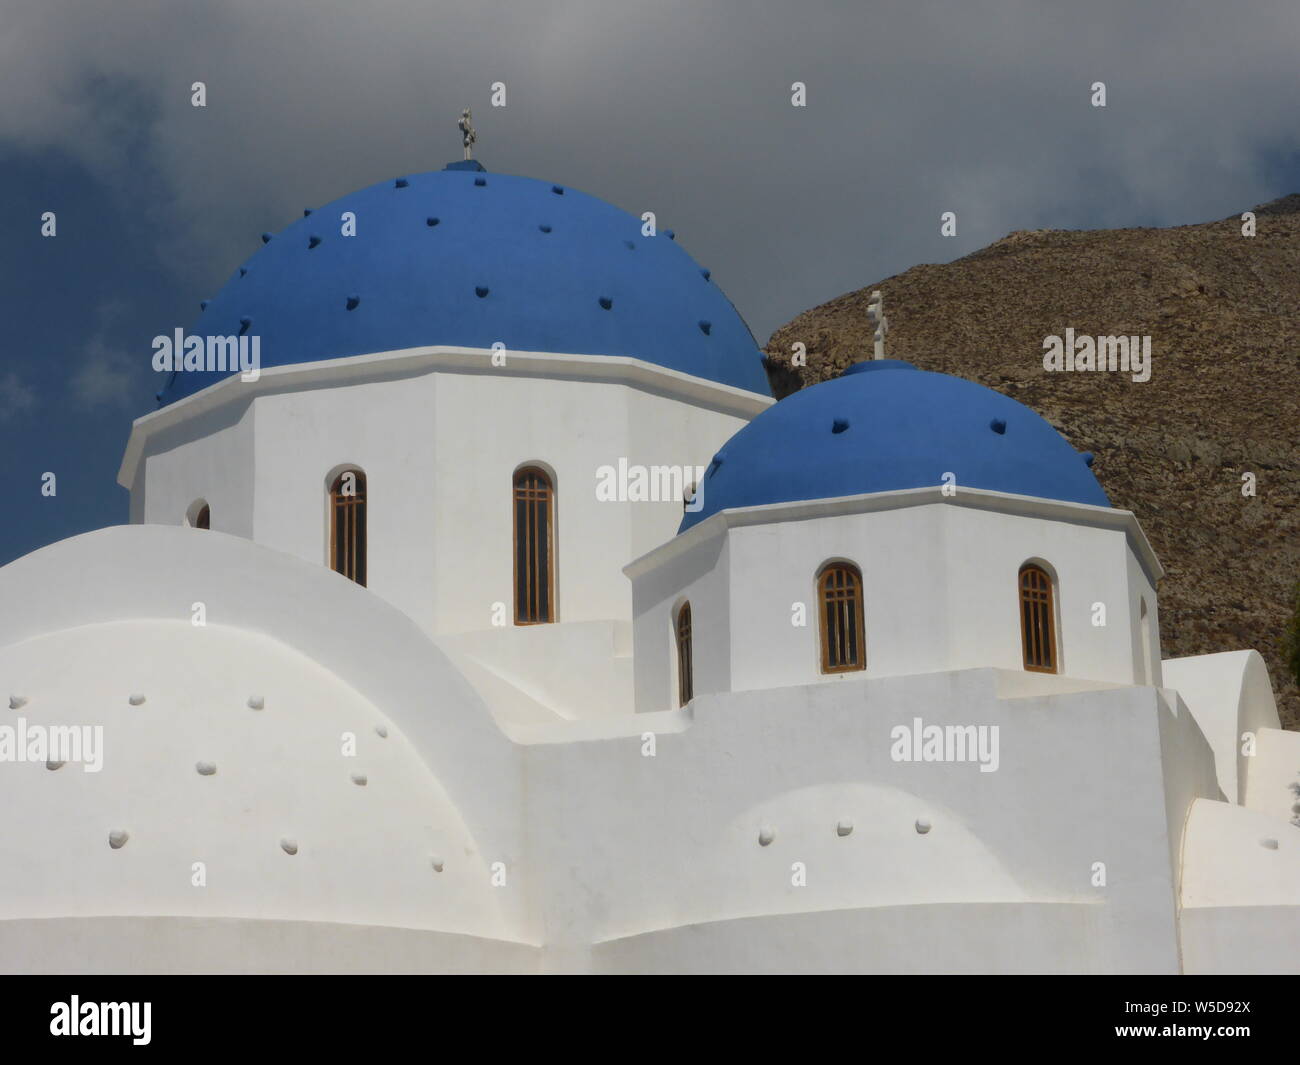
pixel 1037 619
pixel 534 520
pixel 348 525
pixel 1144 623
pixel 685 674
pixel 839 592
pixel 199 515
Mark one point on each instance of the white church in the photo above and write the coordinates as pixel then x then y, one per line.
pixel 502 622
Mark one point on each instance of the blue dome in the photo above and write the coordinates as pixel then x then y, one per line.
pixel 466 258
pixel 885 426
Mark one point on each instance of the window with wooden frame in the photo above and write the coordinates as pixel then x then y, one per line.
pixel 685 674
pixel 348 525
pixel 201 518
pixel 1144 623
pixel 839 593
pixel 1037 619
pixel 534 523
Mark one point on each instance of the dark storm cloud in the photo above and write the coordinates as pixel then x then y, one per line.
pixel 684 109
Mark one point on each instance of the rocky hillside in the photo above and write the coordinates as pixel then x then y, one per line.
pixel 1223 314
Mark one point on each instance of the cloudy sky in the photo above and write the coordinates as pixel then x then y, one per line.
pixel 981 107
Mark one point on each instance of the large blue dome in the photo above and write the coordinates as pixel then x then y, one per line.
pixel 463 257
pixel 885 426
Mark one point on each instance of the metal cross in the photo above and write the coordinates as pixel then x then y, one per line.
pixel 876 314
pixel 467 133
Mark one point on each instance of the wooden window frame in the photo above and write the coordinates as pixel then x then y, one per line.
pixel 533 591
pixel 824 599
pixel 357 504
pixel 1145 641
pixel 683 632
pixel 1040 602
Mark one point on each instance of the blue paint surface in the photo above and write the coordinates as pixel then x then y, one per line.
pixel 526 263
pixel 886 426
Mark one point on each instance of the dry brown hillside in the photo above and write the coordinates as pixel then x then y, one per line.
pixel 1223 314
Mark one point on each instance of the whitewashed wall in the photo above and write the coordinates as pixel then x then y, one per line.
pixel 684 883
pixel 214 458
pixel 940 584
pixel 616 860
pixel 439 439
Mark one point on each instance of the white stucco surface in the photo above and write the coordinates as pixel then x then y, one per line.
pixel 1241 891
pixel 939 584
pixel 1273 778
pixel 532 798
pixel 1229 694
pixel 364 851
pixel 439 466
pixel 110 946
pixel 683 840
pixel 1234 856
pixel 1033 938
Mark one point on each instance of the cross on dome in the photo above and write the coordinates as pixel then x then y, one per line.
pixel 467 133
pixel 876 314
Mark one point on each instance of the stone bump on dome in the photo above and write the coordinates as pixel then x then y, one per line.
pixel 885 426
pixel 462 257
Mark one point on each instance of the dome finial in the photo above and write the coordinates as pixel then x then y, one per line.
pixel 468 135
pixel 876 313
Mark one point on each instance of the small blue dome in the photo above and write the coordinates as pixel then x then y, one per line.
pixel 463 257
pixel 885 426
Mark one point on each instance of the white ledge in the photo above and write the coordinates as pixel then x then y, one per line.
pixel 609 369
pixel 1005 502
